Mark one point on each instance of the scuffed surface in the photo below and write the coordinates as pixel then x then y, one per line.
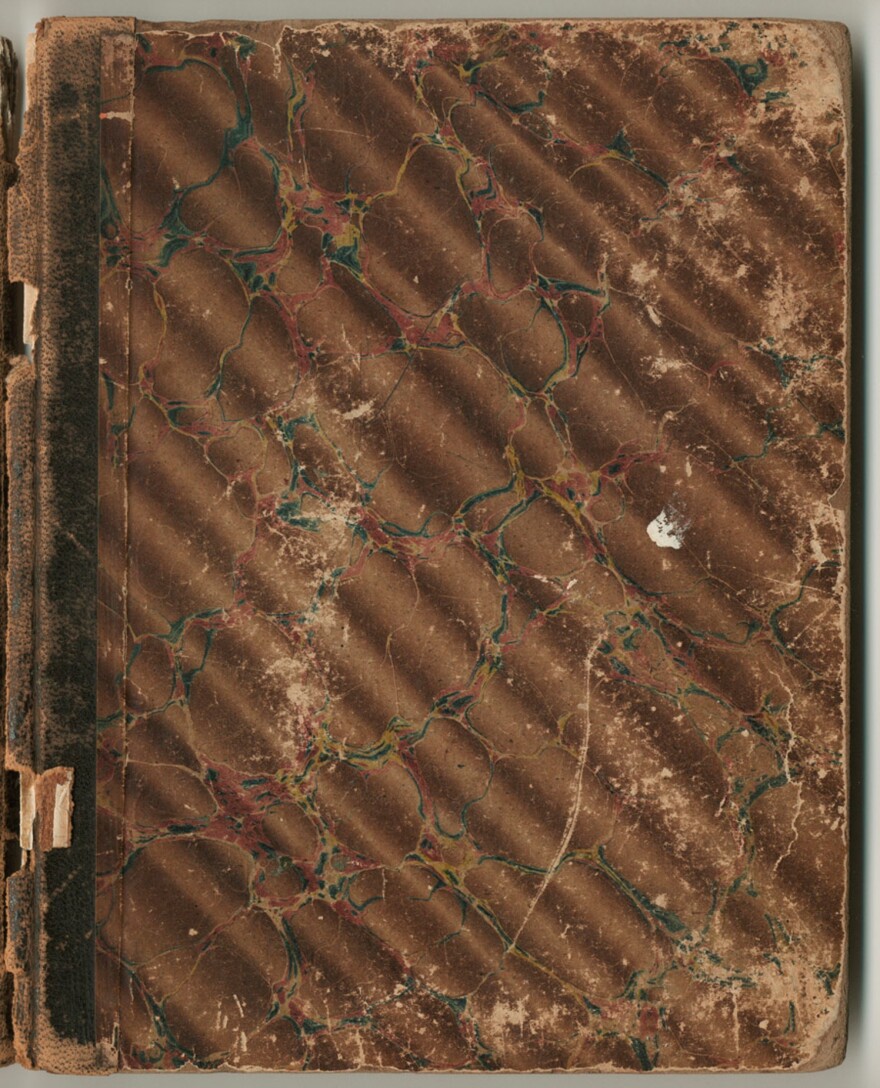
pixel 416 750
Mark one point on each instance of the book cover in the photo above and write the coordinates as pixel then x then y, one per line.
pixel 427 522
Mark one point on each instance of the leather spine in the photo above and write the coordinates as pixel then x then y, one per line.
pixel 19 669
pixel 19 407
pixel 52 421
pixel 8 72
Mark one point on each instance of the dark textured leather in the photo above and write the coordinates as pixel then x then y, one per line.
pixel 8 73
pixel 51 631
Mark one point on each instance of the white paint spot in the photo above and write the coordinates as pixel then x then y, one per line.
pixel 668 528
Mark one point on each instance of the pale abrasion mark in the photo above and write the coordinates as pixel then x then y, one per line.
pixel 668 528
pixel 46 802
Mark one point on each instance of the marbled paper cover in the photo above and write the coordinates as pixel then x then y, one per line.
pixel 473 405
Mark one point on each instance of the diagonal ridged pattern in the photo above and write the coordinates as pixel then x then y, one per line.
pixel 472 477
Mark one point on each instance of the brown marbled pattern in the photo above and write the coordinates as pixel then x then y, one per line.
pixel 474 404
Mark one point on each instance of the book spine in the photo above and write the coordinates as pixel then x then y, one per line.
pixel 8 74
pixel 18 450
pixel 19 671
pixel 51 419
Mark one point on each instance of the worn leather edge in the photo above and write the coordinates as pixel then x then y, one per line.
pixel 53 250
pixel 271 25
pixel 831 1047
pixel 8 75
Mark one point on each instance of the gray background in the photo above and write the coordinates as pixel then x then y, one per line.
pixel 861 1068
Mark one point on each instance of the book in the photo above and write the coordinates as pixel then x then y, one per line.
pixel 427 546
